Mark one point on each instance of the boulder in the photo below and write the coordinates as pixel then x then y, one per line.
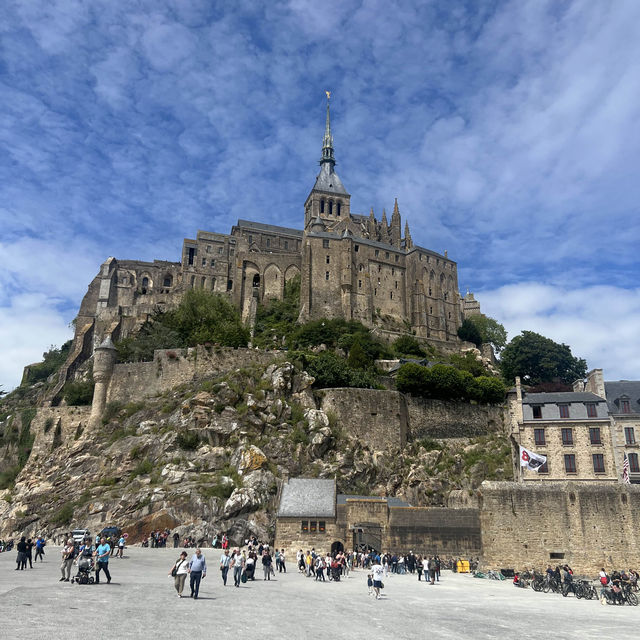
pixel 316 418
pixel 320 442
pixel 248 458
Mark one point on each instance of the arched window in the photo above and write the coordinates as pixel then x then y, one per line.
pixel 213 284
pixel 167 282
pixel 330 207
pixel 339 207
pixel 145 282
pixel 322 206
pixel 256 280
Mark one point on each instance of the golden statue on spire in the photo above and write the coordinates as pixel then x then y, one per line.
pixel 328 94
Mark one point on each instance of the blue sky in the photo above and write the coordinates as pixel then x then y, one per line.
pixel 508 131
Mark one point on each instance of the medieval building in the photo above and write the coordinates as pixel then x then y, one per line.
pixel 351 265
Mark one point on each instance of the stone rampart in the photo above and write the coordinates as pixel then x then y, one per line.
pixel 171 367
pixel 444 419
pixel 584 524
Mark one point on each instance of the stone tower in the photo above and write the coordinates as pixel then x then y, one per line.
pixel 104 358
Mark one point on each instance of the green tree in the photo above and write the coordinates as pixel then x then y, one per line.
pixel 468 332
pixel 357 358
pixel 409 346
pixel 412 378
pixel 537 359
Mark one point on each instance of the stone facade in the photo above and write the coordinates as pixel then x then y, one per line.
pixel 588 525
pixel 352 266
pixel 572 429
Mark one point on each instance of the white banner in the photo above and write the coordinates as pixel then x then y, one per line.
pixel 531 460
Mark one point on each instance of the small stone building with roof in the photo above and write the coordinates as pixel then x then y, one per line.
pixel 311 514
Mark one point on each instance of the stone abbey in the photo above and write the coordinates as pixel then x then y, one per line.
pixel 350 265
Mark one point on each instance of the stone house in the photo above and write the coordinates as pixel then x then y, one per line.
pixel 351 265
pixel 571 428
pixel 311 514
pixel 623 403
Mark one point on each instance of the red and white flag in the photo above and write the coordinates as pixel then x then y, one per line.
pixel 531 460
pixel 625 470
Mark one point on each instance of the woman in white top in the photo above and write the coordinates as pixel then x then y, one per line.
pixel 181 569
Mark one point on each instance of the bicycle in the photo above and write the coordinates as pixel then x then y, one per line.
pixel 628 596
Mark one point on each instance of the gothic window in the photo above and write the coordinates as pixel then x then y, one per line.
pixel 330 207
pixel 338 207
pixel 322 206
pixel 232 251
pixel 375 292
pixel 145 282
pixel 393 272
pixel 429 290
pixel 430 311
pixel 256 280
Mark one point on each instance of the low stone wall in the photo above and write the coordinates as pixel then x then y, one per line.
pixel 378 417
pixel 443 419
pixel 446 532
pixel 289 536
pixel 171 367
pixel 584 524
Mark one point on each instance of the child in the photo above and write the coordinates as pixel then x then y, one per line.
pixel 370 583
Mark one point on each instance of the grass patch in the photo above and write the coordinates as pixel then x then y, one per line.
pixel 188 440
pixel 63 515
pixel 143 468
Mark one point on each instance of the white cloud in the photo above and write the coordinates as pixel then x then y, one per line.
pixel 27 329
pixel 599 323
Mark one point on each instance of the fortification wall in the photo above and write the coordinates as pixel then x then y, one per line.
pixel 434 530
pixel 443 419
pixel 587 525
pixel 378 417
pixel 171 367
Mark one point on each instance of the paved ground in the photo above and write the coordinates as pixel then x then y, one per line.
pixel 141 603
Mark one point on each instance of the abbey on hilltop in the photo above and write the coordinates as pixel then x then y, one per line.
pixel 351 265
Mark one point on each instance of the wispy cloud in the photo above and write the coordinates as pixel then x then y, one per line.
pixel 508 131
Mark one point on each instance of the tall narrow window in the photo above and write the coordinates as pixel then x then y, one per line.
pixel 330 207
pixel 359 284
pixel 537 412
pixel 326 275
pixel 328 260
pixel 634 467
pixel 564 410
pixel 629 435
pixel 192 253
pixel 286 244
pixel 321 206
pixel 570 463
pixel 545 467
pixel 338 208
pixel 625 406
pixel 204 262
pixel 325 244
pixel 567 437
pixel 594 435
pixel 268 242
pixel 538 436
pixel 592 412
pixel 598 463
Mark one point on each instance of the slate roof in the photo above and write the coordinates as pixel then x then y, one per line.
pixel 392 502
pixel 560 396
pixel 260 226
pixel 616 389
pixel 329 181
pixel 308 498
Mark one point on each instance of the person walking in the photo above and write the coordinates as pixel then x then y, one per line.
pixel 102 560
pixel 197 572
pixel 237 564
pixel 68 553
pixel 266 564
pixel 225 561
pixel 283 566
pixel 39 549
pixel 432 570
pixel 176 539
pixel 120 552
pixel 377 572
pixel 29 553
pixel 179 573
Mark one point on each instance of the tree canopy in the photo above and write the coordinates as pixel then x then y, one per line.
pixel 481 329
pixel 537 359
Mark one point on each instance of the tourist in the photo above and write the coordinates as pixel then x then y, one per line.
pixel 68 553
pixel 29 553
pixel 419 567
pixel 176 540
pixel 283 565
pixel 40 543
pixel 370 583
pixel 438 564
pixel 250 566
pixel 320 567
pixel 301 560
pixel 102 560
pixel 179 572
pixel 432 569
pixel 197 572
pixel 121 543
pixel 225 541
pixel 225 561
pixel 377 572
pixel 277 559
pixel 237 564
pixel 21 558
pixel 266 564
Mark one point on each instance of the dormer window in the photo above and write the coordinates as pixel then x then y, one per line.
pixel 624 406
pixel 537 411
pixel 564 410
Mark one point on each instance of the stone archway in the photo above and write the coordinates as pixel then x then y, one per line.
pixel 337 547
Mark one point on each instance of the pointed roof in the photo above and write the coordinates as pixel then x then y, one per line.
pixel 327 179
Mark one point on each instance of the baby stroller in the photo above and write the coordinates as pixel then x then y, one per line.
pixel 335 571
pixel 85 567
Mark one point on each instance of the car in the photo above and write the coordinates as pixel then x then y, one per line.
pixel 79 535
pixel 111 532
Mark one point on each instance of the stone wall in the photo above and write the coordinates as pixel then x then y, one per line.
pixel 291 538
pixel 587 525
pixel 446 532
pixel 442 419
pixel 171 367
pixel 378 417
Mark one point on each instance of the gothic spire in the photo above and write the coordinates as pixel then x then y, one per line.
pixel 408 242
pixel 327 140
